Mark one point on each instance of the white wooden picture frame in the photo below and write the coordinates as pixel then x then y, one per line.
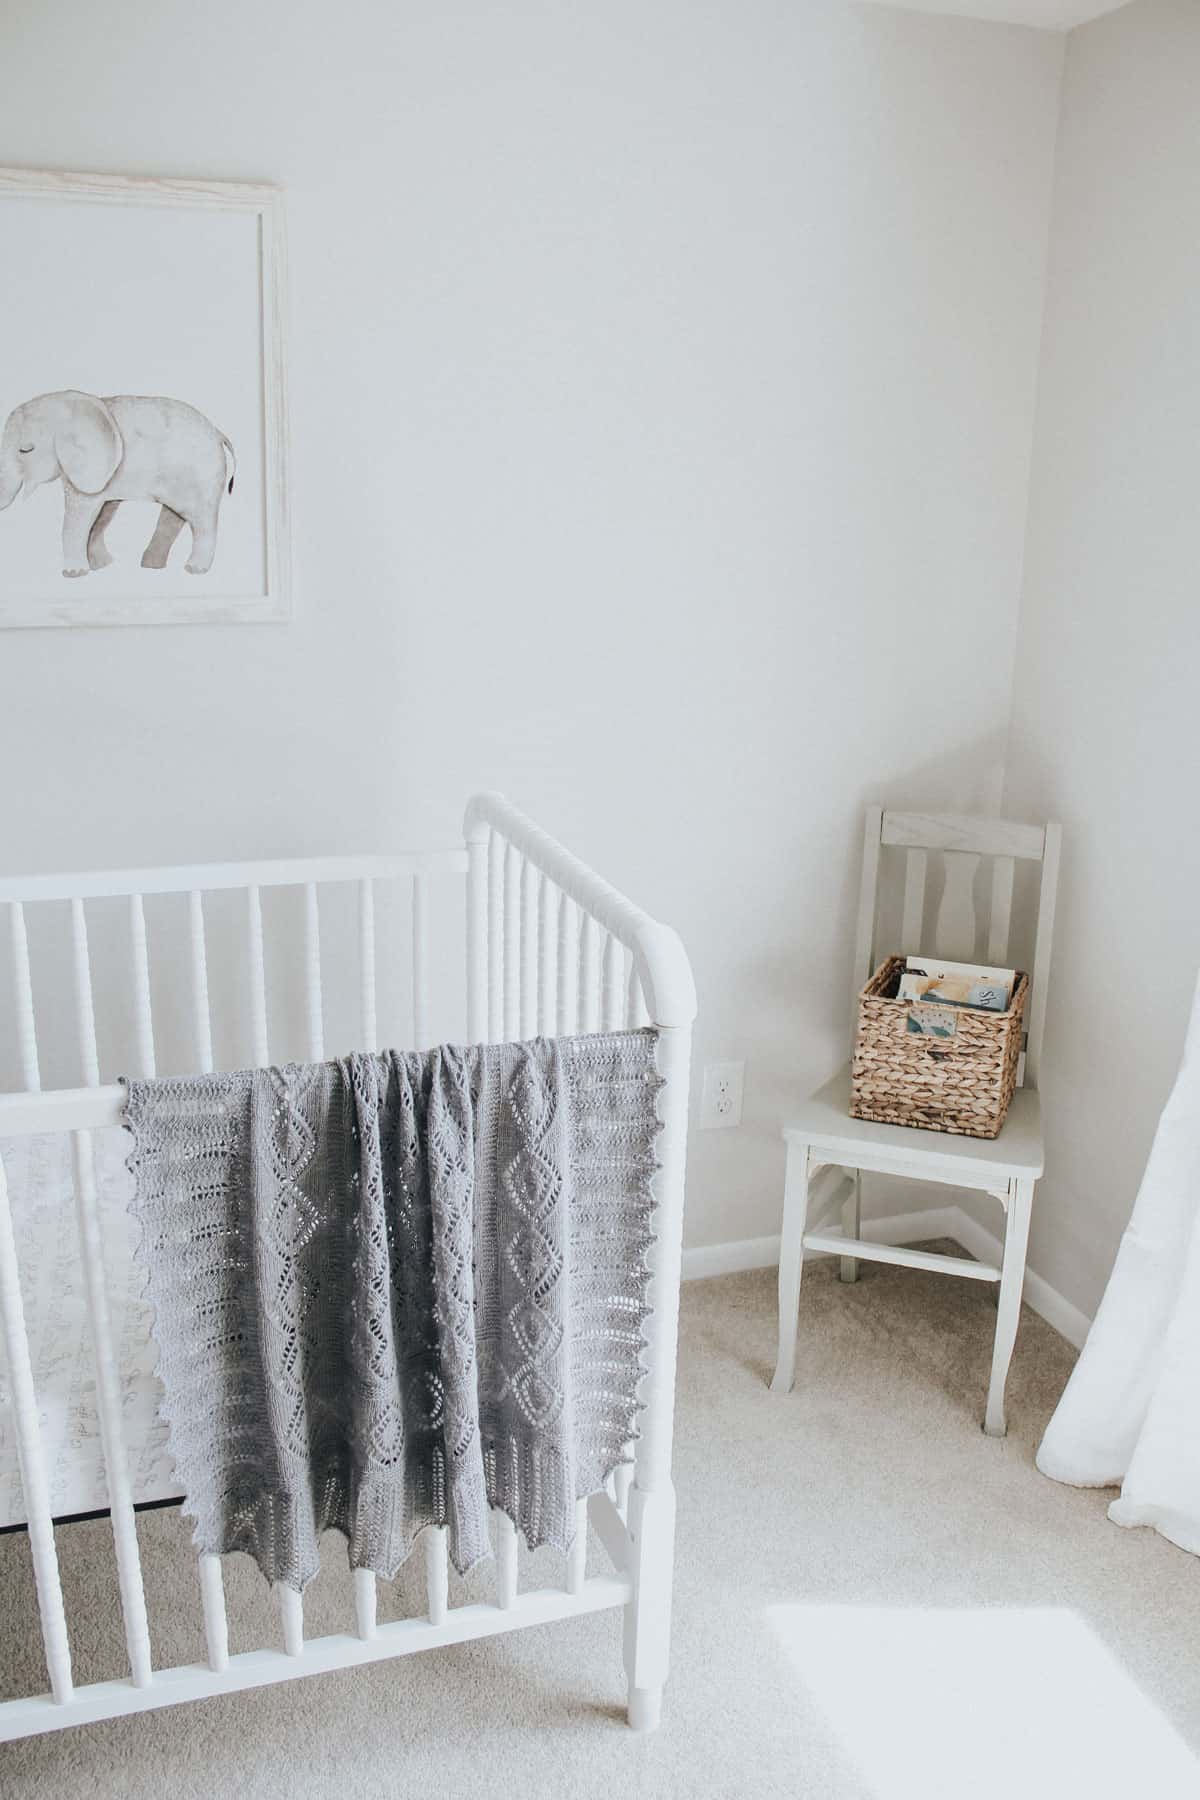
pixel 143 410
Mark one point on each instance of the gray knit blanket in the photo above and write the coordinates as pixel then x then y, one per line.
pixel 396 1290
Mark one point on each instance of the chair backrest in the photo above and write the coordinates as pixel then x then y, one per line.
pixel 960 929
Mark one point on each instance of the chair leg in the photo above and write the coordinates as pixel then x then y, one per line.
pixel 791 1263
pixel 852 1225
pixel 1008 1313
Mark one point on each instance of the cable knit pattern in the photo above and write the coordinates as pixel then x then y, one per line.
pixel 392 1291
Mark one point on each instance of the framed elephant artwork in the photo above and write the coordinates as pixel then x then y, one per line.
pixel 143 475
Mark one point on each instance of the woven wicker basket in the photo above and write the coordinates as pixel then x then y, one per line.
pixel 961 1084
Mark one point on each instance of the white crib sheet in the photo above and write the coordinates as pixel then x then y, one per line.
pixel 40 1188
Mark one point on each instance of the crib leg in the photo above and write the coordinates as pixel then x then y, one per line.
pixel 645 1708
pixel 648 1614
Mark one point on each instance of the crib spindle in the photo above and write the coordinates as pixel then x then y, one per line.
pixel 291 1617
pixel 366 951
pixel 420 962
pixel 312 973
pixel 477 939
pixel 529 950
pixel 212 1601
pixel 437 1574
pixel 577 1554
pixel 568 965
pixel 204 1049
pixel 506 1562
pixel 622 1482
pixel 613 983
pixel 512 943
pixel 23 990
pixel 366 1595
pixel 108 1406
pixel 85 1006
pixel 31 1460
pixel 141 986
pixel 495 939
pixel 588 1009
pixel 635 1002
pixel 547 943
pixel 258 979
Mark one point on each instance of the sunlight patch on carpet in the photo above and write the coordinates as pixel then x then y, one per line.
pixel 935 1704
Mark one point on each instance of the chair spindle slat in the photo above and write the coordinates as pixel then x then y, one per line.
pixel 957 925
pixel 1001 910
pixel 912 922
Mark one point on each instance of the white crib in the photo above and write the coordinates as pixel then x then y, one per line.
pixel 550 948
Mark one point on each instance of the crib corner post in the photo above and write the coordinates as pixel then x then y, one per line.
pixel 648 1614
pixel 651 1515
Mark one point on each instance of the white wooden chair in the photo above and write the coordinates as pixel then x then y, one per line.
pixel 827 1150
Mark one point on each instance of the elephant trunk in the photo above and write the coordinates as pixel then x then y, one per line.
pixel 10 486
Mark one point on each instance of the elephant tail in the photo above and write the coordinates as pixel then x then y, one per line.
pixel 232 459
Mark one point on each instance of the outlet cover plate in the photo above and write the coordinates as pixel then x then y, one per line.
pixel 721 1095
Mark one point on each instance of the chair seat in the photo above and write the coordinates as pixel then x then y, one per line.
pixel 1016 1154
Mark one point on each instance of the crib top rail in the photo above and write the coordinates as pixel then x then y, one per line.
pixel 106 884
pixel 551 946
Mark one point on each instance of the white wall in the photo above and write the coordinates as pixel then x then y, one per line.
pixel 1105 733
pixel 662 391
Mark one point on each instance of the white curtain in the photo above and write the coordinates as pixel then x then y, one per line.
pixel 1131 1411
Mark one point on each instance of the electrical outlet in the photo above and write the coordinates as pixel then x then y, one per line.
pixel 721 1096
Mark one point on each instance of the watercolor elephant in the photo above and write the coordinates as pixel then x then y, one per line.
pixel 125 447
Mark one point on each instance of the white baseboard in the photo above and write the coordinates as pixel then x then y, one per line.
pixel 902 1228
pixel 1044 1300
pixel 731 1258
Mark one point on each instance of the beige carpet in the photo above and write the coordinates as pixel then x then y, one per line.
pixel 873 1602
